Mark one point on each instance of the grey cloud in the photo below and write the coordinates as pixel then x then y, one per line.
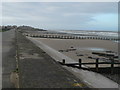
pixel 50 15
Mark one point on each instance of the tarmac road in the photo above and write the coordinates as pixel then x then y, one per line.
pixel 8 57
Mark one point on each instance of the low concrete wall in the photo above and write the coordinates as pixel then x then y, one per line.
pixel 92 79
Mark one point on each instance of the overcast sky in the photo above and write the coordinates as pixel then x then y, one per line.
pixel 67 16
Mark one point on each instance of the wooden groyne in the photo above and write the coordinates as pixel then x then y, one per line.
pixel 66 36
pixel 112 69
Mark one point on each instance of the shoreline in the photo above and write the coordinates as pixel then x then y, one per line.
pixel 83 48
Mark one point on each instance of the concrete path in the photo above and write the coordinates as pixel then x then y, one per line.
pixel 38 70
pixel 8 57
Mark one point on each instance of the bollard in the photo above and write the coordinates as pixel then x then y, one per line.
pixel 63 61
pixel 97 60
pixel 80 63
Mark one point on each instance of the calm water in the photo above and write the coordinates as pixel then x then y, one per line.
pixel 93 49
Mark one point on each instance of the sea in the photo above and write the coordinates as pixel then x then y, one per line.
pixel 88 33
pixel 91 33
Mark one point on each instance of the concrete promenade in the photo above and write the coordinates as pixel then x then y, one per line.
pixel 8 57
pixel 38 70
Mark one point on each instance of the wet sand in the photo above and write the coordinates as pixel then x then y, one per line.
pixel 84 48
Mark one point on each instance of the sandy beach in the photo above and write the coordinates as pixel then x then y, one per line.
pixel 81 49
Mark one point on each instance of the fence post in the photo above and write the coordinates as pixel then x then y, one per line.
pixel 97 61
pixel 63 61
pixel 112 65
pixel 80 63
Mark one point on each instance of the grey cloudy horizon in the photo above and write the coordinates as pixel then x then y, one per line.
pixel 62 15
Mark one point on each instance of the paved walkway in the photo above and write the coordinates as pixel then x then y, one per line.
pixel 8 57
pixel 39 70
